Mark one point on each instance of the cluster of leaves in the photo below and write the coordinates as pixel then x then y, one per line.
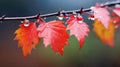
pixel 54 32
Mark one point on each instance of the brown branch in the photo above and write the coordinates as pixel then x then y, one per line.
pixel 4 18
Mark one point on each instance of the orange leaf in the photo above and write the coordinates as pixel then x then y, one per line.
pixel 54 34
pixel 105 35
pixel 27 37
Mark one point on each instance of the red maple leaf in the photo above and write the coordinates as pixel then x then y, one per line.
pixel 27 36
pixel 116 21
pixel 117 11
pixel 116 17
pixel 54 34
pixel 102 15
pixel 78 28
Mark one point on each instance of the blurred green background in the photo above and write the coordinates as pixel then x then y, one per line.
pixel 93 54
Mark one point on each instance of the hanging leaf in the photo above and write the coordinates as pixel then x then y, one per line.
pixel 116 21
pixel 117 11
pixel 78 28
pixel 105 35
pixel 54 34
pixel 116 17
pixel 102 15
pixel 27 36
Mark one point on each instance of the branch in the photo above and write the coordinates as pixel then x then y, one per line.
pixel 4 18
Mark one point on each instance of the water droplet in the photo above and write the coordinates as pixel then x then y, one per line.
pixel 79 17
pixel 21 21
pixel 60 17
pixel 75 16
pixel 80 21
pixel 44 17
pixel 91 17
pixel 26 24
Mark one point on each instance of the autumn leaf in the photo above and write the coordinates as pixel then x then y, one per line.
pixel 116 21
pixel 117 11
pixel 27 36
pixel 54 34
pixel 105 35
pixel 102 15
pixel 78 28
pixel 116 17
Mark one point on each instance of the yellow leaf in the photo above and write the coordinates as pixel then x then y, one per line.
pixel 105 35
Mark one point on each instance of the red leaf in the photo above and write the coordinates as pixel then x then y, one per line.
pixel 54 34
pixel 78 28
pixel 117 11
pixel 102 15
pixel 27 36
pixel 116 21
pixel 116 18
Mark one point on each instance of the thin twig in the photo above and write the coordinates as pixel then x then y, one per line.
pixel 4 18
